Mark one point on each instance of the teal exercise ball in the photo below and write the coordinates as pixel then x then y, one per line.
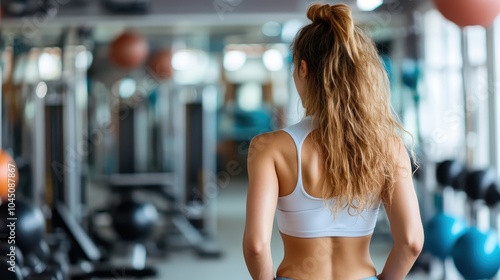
pixel 476 254
pixel 441 233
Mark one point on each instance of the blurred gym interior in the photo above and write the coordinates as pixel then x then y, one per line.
pixel 125 127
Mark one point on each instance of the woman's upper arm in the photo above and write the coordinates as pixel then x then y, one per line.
pixel 403 212
pixel 263 189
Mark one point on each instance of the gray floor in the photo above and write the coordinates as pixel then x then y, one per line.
pixel 186 265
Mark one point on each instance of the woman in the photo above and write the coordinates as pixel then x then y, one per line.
pixel 326 177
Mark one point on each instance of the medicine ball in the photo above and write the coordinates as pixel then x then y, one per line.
pixel 129 50
pixel 160 64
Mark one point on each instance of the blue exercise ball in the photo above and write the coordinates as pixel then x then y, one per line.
pixel 441 233
pixel 476 254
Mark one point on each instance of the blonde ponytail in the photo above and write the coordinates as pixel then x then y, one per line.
pixel 348 96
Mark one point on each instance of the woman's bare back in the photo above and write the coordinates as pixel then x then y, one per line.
pixel 316 258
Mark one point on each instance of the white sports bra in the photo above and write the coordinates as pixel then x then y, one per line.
pixel 302 215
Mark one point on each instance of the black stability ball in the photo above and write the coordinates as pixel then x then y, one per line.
pixel 134 220
pixel 28 228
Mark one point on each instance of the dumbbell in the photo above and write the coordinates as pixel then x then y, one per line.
pixel 492 195
pixel 37 259
pixel 480 182
pixel 452 173
pixel 483 187
pixel 448 224
pixel 451 176
pixel 41 265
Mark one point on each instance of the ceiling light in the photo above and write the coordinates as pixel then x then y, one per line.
pixel 273 60
pixel 234 60
pixel 184 60
pixel 369 5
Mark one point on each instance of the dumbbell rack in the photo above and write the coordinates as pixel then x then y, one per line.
pixel 461 226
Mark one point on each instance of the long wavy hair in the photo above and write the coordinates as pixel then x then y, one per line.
pixel 347 94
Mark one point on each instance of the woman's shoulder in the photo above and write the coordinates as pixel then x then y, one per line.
pixel 271 141
pixel 269 138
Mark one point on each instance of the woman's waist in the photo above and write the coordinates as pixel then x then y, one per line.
pixel 320 262
pixel 311 269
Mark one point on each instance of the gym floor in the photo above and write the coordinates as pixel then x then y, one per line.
pixel 185 264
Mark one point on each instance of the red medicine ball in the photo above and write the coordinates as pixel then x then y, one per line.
pixel 128 51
